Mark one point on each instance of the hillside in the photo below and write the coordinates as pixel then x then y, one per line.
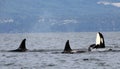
pixel 59 15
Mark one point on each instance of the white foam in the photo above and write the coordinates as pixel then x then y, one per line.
pixel 101 49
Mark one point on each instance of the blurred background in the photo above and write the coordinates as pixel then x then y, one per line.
pixel 30 16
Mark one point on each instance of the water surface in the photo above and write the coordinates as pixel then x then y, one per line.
pixel 56 42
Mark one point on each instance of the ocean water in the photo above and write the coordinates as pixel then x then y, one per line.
pixel 55 42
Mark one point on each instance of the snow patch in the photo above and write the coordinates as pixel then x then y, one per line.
pixel 54 21
pixel 67 21
pixel 6 20
pixel 117 4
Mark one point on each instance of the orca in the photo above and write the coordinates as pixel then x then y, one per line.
pixel 21 48
pixel 68 49
pixel 100 43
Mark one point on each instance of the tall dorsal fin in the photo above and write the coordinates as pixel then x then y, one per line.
pixel 67 47
pixel 23 45
pixel 100 40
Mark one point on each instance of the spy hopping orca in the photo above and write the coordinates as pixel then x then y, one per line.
pixel 100 43
pixel 21 48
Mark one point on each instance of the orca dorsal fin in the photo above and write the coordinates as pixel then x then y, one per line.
pixel 100 40
pixel 67 47
pixel 23 45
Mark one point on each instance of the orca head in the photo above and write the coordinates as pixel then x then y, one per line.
pixel 100 41
pixel 67 48
pixel 22 47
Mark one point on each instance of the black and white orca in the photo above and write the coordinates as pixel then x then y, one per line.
pixel 100 43
pixel 68 49
pixel 21 48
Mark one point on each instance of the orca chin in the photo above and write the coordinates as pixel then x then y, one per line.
pixel 100 43
pixel 21 48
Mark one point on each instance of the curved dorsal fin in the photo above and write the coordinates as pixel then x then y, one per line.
pixel 21 48
pixel 23 45
pixel 67 47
